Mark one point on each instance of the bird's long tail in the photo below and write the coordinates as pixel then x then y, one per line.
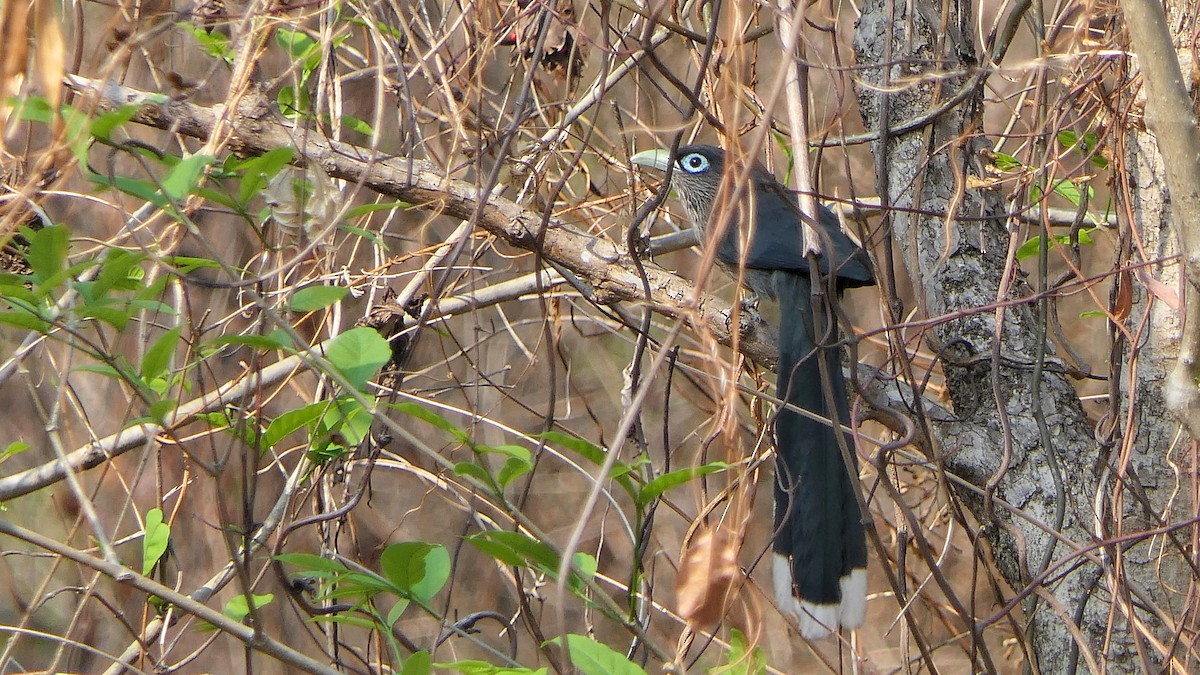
pixel 820 561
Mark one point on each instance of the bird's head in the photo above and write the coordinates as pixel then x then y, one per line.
pixel 696 176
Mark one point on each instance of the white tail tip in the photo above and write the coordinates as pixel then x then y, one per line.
pixel 819 621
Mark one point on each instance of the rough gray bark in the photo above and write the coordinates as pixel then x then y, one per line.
pixel 1153 457
pixel 1021 435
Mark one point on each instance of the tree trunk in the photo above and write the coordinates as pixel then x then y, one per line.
pixel 1021 437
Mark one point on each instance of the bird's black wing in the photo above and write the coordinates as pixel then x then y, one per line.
pixel 778 243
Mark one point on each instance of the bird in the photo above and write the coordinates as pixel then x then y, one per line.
pixel 819 552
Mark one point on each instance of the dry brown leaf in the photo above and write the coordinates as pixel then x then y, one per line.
pixel 709 577
pixel 50 51
pixel 14 18
pixel 1123 303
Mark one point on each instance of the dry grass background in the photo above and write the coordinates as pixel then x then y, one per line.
pixel 437 81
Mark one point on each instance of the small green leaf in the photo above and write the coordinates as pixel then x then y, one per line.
pixel 310 563
pixel 420 412
pixel 347 619
pixel 276 339
pixel 13 449
pixel 354 124
pixel 185 264
pixel 518 550
pixel 741 660
pixel 297 43
pixel 418 569
pixel 1006 162
pixel 472 667
pixel 349 419
pixel 661 484
pixel 594 658
pixel 1094 314
pixel 155 538
pixel 48 251
pixel 238 607
pixel 472 470
pixel 290 421
pixel 261 169
pixel 142 189
pixel 25 321
pixel 158 358
pixel 119 270
pixel 161 409
pixel 358 354
pixel 1031 247
pixel 586 449
pixel 215 44
pixel 313 298
pixel 364 209
pixel 1067 190
pixel 104 124
pixel 294 101
pixel 397 609
pixel 185 176
pixel 419 663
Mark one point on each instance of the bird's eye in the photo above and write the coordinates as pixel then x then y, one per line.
pixel 694 163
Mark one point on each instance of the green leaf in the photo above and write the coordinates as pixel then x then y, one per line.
pixel 117 317
pixel 419 663
pixel 1068 191
pixel 661 484
pixel 276 339
pixel 118 271
pixel 13 449
pixel 518 550
pixel 161 409
pixel 215 44
pixel 348 619
pixel 397 609
pixel 142 189
pixel 34 109
pixel 1031 247
pixel 25 321
pixel 346 417
pixel 313 298
pixel 363 209
pixel 586 449
pixel 154 539
pixel 519 461
pixel 185 264
pixel 472 667
pixel 1006 162
pixel 261 169
pixel 158 358
pixel 472 470
pixel 185 176
pixel 358 354
pixel 290 421
pixel 418 569
pixel 104 124
pixel 1094 314
pixel 238 607
pixel 354 124
pixel 48 251
pixel 594 658
pixel 297 43
pixel 310 563
pixel 596 455
pixel 294 101
pixel 741 660
pixel 422 413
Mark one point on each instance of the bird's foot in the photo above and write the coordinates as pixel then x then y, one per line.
pixel 748 318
